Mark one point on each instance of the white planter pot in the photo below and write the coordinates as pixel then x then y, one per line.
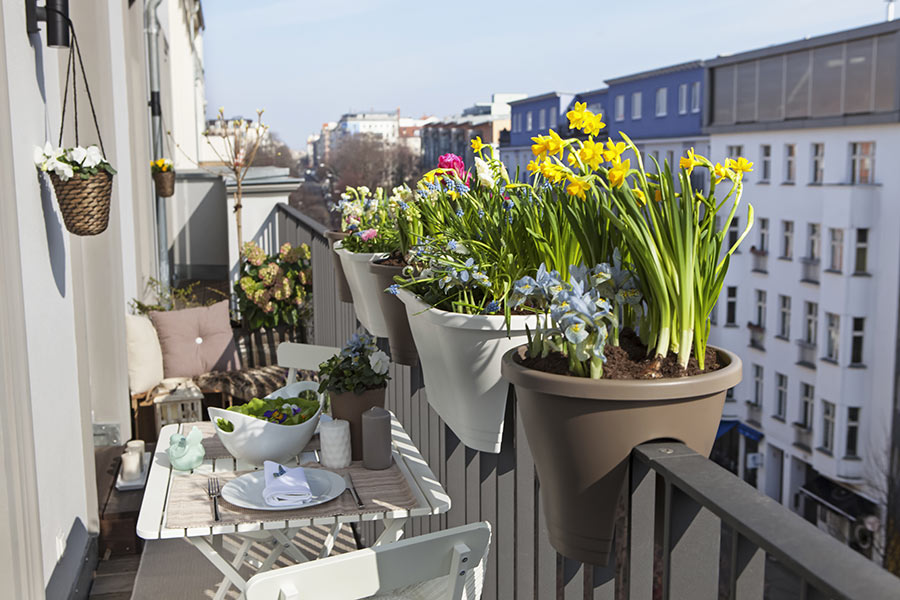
pixel 255 441
pixel 364 288
pixel 461 357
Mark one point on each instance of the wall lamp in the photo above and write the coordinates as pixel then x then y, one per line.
pixel 56 14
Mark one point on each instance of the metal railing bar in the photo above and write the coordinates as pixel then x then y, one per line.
pixel 828 565
pixel 309 223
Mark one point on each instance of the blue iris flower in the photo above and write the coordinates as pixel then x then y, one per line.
pixel 492 307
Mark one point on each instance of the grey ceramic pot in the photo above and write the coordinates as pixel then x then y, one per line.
pixel 403 348
pixel 581 432
pixel 342 286
pixel 350 406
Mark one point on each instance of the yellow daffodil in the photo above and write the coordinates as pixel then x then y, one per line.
pixel 639 194
pixel 592 123
pixel 689 162
pixel 571 159
pixel 539 147
pixel 720 173
pixel 739 166
pixel 533 166
pixel 477 144
pixel 430 175
pixel 553 172
pixel 591 154
pixel 613 151
pixel 578 186
pixel 554 144
pixel 657 195
pixel 576 115
pixel 616 175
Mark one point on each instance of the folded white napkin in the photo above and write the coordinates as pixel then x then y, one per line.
pixel 285 487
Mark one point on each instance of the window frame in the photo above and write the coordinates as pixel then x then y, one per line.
pixel 662 101
pixel 787 239
pixel 758 383
pixel 861 247
pixel 817 159
pixel 542 119
pixel 695 97
pixel 853 425
pixel 781 393
pixel 682 99
pixel 828 418
pixel 529 121
pixel 760 298
pixel 765 160
pixel 636 105
pixel 811 323
pixel 807 402
pixel 731 305
pixel 620 107
pixel 784 316
pixel 835 249
pixel 857 158
pixel 813 241
pixel 832 336
pixel 857 341
pixel 790 163
pixel 763 235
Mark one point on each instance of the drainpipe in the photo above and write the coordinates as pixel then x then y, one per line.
pixel 151 28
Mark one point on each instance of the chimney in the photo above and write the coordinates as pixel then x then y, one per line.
pixel 890 10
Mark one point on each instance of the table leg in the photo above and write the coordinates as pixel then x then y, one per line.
pixel 328 546
pixel 285 539
pixel 219 562
pixel 393 531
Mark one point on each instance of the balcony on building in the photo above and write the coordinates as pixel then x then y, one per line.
pixel 803 437
pixel 760 260
pixel 810 270
pixel 757 336
pixel 754 413
pixel 806 354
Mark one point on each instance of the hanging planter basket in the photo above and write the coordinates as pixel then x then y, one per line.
pixel 343 288
pixel 165 183
pixel 363 286
pixel 84 203
pixel 581 433
pixel 400 339
pixel 460 356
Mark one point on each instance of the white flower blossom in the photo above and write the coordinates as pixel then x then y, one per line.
pixel 379 362
pixel 94 157
pixel 484 172
pixel 77 155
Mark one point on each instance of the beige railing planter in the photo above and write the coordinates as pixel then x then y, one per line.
pixel 403 347
pixel 165 183
pixel 460 356
pixel 581 432
pixel 363 286
pixel 342 286
pixel 349 406
pixel 84 203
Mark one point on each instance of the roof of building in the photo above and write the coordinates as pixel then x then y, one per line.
pixel 694 64
pixel 543 96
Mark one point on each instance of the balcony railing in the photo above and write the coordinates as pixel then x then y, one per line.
pixel 757 336
pixel 754 412
pixel 806 354
pixel 810 270
pixel 760 260
pixel 687 528
pixel 803 437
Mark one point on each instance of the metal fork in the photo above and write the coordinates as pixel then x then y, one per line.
pixel 214 491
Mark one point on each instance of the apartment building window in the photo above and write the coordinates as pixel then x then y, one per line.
pixel 682 99
pixel 761 309
pixel 862 162
pixel 784 317
pixel 757 385
pixel 731 305
pixel 765 159
pixel 787 239
pixel 836 249
pixel 790 158
pixel 662 97
pixel 636 98
pixel 818 163
pixel 833 335
pixel 764 235
pixel 714 314
pixel 733 232
pixel 551 117
pixel 856 341
pixel 811 318
pixel 812 241
pixel 781 387
pixel 528 124
pixel 861 257
pixel 734 151
pixel 620 107
pixel 542 119
pixel 852 432
pixel 670 158
pixel 827 426
pixel 695 97
pixel 807 396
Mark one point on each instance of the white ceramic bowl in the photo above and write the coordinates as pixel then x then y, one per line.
pixel 255 441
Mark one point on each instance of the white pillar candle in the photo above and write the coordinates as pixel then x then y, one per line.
pixel 131 465
pixel 334 438
pixel 135 446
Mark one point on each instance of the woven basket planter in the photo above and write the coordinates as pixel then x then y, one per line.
pixel 165 183
pixel 84 203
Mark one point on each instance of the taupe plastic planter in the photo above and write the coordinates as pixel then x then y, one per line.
pixel 342 286
pixel 581 433
pixel 403 348
pixel 350 406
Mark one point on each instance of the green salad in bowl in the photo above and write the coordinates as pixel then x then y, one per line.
pixel 283 411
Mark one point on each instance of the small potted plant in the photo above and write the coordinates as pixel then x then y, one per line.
pixel 355 380
pixel 82 180
pixel 163 177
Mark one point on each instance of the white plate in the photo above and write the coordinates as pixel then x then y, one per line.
pixel 246 491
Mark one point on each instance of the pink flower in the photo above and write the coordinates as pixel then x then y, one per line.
pixel 452 161
pixel 368 234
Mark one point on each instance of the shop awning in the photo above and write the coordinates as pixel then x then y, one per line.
pixel 838 498
pixel 747 431
pixel 725 427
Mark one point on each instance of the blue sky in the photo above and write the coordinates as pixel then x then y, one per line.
pixel 309 62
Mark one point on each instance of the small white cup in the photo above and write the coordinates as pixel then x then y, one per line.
pixel 334 437
pixel 131 465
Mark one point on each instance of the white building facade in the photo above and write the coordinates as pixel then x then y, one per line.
pixel 810 302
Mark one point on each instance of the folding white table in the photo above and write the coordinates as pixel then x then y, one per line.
pixel 430 499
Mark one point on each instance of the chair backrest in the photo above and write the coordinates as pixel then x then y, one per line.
pixel 305 357
pixel 451 556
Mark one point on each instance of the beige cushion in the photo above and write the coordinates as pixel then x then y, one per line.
pixel 196 340
pixel 145 359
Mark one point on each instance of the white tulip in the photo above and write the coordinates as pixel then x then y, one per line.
pixel 379 362
pixel 484 172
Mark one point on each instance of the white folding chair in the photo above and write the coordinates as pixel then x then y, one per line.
pixel 305 357
pixel 447 565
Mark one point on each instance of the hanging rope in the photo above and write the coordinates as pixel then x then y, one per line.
pixel 75 49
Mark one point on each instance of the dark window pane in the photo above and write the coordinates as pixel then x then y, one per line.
pixel 746 92
pixel 771 89
pixel 797 85
pixel 858 79
pixel 886 82
pixel 723 99
pixel 828 68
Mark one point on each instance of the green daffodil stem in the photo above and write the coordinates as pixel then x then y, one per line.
pixel 596 367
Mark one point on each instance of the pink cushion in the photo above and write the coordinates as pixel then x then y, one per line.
pixel 195 341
